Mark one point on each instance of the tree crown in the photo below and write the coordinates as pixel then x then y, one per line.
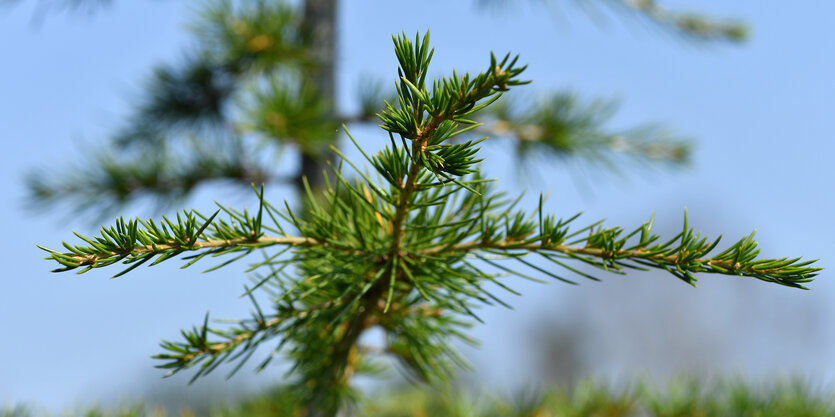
pixel 410 246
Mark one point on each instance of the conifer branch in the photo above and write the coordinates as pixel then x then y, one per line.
pixel 161 171
pixel 412 251
pixel 691 25
pixel 785 271
pixel 688 25
pixel 682 256
pixel 564 126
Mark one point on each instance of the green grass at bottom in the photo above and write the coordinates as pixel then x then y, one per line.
pixel 680 398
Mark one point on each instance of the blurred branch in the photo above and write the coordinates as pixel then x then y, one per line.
pixel 165 173
pixel 693 26
pixel 45 7
pixel 252 37
pixel 293 111
pixel 188 98
pixel 562 125
pixel 243 50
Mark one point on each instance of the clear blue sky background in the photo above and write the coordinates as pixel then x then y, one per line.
pixel 762 114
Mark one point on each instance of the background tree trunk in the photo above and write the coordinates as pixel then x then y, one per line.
pixel 320 32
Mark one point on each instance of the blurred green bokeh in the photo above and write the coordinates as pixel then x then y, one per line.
pixel 684 397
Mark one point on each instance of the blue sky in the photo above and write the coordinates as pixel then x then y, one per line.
pixel 761 114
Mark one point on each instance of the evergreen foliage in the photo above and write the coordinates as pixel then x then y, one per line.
pixel 681 398
pixel 410 247
pixel 249 87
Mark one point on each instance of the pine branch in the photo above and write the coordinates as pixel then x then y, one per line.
pixel 692 25
pixel 164 172
pixel 240 47
pixel 413 252
pixel 676 260
pixel 561 125
pixel 140 241
pixel 293 112
pixel 253 37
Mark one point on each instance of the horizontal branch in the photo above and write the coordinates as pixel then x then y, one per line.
pixel 595 252
pixel 783 271
pixel 156 249
pixel 213 348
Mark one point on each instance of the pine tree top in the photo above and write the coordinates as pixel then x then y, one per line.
pixel 410 246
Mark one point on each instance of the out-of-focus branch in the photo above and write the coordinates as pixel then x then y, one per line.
pixel 166 174
pixel 693 26
pixel 564 126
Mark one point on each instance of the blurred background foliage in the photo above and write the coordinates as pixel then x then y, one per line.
pixel 683 397
pixel 259 78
